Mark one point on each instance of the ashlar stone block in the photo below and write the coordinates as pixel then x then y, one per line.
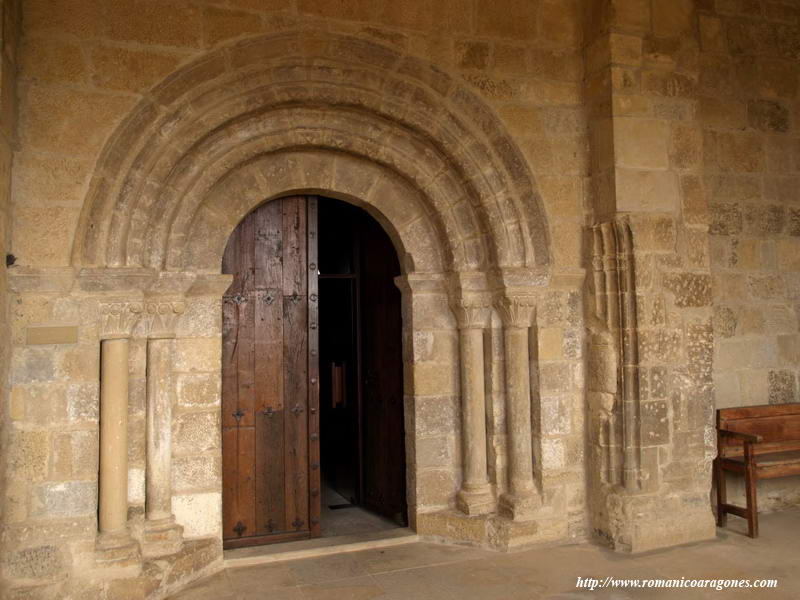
pixel 38 563
pixel 641 143
pixel 65 499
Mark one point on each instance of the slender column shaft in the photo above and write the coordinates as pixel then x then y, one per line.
pixel 113 493
pixel 473 410
pixel 159 430
pixel 518 408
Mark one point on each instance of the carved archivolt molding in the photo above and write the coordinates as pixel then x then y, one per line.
pixel 146 202
pixel 615 306
pixel 118 318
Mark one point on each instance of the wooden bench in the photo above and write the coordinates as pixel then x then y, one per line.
pixel 761 442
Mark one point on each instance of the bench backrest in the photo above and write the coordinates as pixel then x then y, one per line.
pixel 774 422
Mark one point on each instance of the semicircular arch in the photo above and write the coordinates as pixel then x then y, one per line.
pixel 277 113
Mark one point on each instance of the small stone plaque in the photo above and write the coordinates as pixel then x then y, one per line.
pixel 52 335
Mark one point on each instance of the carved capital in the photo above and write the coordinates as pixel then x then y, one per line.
pixel 516 310
pixel 161 317
pixel 118 318
pixel 472 312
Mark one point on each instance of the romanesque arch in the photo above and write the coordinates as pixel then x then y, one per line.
pixel 321 113
pixel 255 101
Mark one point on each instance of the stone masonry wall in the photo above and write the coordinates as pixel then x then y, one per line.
pixel 674 120
pixel 642 67
pixel 750 113
pixel 84 65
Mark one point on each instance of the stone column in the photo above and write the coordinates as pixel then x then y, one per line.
pixel 520 500
pixel 113 514
pixel 475 496
pixel 114 543
pixel 162 535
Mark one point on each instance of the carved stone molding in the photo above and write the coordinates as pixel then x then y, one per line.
pixel 516 310
pixel 614 283
pixel 119 317
pixel 161 317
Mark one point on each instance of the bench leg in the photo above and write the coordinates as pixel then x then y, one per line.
pixel 750 480
pixel 719 473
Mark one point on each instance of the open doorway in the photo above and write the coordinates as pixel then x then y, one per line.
pixel 361 377
pixel 312 382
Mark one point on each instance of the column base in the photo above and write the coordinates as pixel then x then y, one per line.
pixel 508 535
pixel 519 507
pixel 161 537
pixel 118 553
pixel 475 502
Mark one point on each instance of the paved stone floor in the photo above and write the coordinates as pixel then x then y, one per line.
pixel 433 571
pixel 348 521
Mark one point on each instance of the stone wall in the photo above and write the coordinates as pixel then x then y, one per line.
pixel 508 147
pixel 85 66
pixel 652 423
pixel 750 115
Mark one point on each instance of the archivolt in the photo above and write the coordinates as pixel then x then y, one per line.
pixel 311 111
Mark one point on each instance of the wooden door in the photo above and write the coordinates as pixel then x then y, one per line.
pixel 270 372
pixel 382 368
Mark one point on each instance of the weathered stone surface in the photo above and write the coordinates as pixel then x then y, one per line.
pixel 200 514
pixel 765 220
pixel 689 289
pixel 782 387
pixel 724 321
pixel 766 286
pixel 194 391
pixel 123 69
pixel 197 354
pixel 67 499
pixel 435 451
pixel 28 454
pixel 196 432
pixel 767 115
pixel 673 142
pixel 655 423
pixel 193 473
pixel 451 525
pixel 83 402
pixel 221 24
pixel 435 487
pixel 32 365
pixel 41 562
pixel 436 416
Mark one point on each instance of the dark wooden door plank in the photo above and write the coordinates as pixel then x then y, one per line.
pixel 295 348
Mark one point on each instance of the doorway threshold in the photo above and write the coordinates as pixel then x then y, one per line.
pixel 258 555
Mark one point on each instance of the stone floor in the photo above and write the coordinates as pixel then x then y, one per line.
pixel 435 571
pixel 348 521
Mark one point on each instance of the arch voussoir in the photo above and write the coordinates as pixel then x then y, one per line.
pixel 318 93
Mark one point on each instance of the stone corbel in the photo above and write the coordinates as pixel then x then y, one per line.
pixel 161 317
pixel 118 318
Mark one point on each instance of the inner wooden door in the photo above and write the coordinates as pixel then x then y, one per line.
pixel 363 434
pixel 270 376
